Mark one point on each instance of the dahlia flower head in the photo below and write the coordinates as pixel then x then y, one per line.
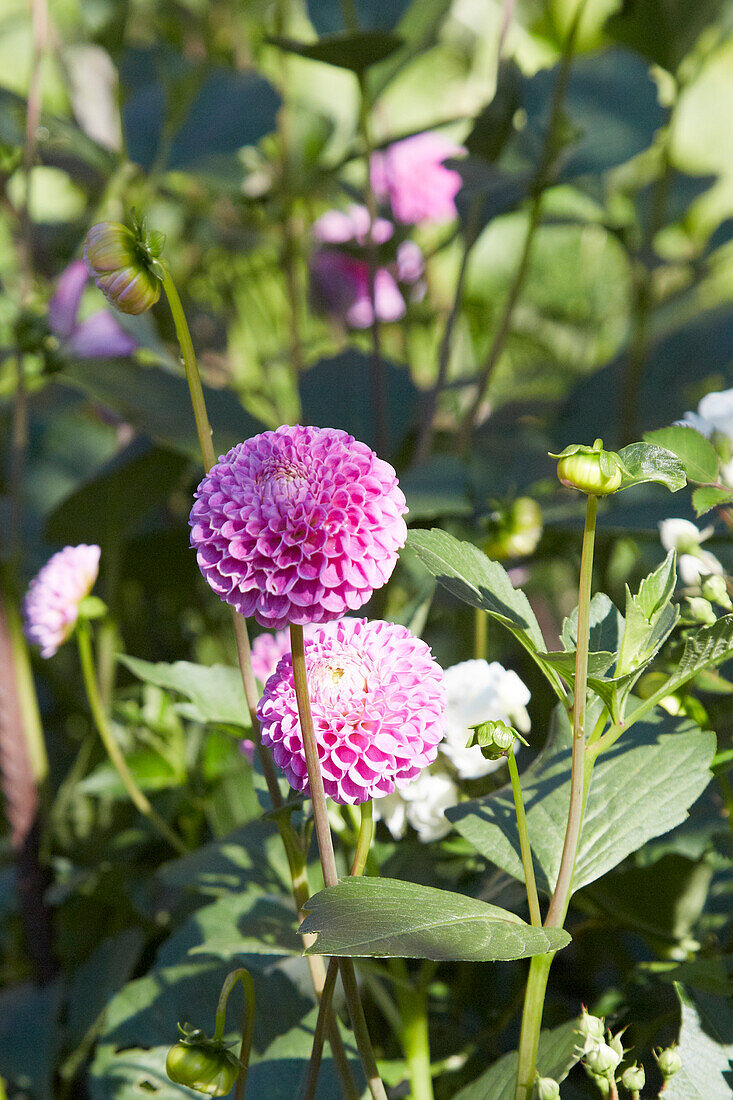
pixel 298 525
pixel 378 704
pixel 340 280
pixel 411 176
pixel 51 604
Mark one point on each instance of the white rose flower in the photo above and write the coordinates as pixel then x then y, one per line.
pixel 480 692
pixel 684 537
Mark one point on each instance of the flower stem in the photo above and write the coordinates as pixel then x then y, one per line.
pixel 540 965
pixel 86 656
pixel 524 845
pixel 480 632
pixel 363 844
pixel 328 859
pixel 248 1021
pixel 414 1036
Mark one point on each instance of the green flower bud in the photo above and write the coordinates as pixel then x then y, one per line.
pixel 633 1078
pixel 495 739
pixel 715 589
pixel 124 264
pixel 602 1060
pixel 517 530
pixel 669 1062
pixel 700 610
pixel 201 1063
pixel 590 469
pixel 547 1089
pixel 591 1030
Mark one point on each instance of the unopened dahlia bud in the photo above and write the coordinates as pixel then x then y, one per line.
pixel 495 739
pixel 124 264
pixel 700 610
pixel 615 1043
pixel 547 1089
pixel 591 1029
pixel 516 530
pixel 602 1060
pixel 590 469
pixel 715 589
pixel 669 1062
pixel 634 1078
pixel 206 1067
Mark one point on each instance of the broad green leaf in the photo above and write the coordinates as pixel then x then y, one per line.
pixel 606 626
pixel 649 617
pixel 468 574
pixel 648 462
pixel 639 790
pixel 149 769
pixel 711 974
pixel 662 30
pixel 327 16
pixel 237 924
pixel 559 1050
pixel 28 1036
pixel 58 139
pixel 708 497
pixel 215 691
pixel 380 917
pixel 696 453
pixel 348 50
pixel 707 647
pixel 96 981
pixel 705 1047
pixel 598 663
pixel 251 856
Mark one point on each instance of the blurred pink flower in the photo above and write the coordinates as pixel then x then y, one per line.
pixel 100 336
pixel 267 649
pixel 298 525
pixel 51 604
pixel 378 706
pixel 411 176
pixel 345 226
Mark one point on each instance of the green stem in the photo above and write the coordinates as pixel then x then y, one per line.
pixel 540 964
pixel 328 859
pixel 248 1021
pixel 414 1034
pixel 86 656
pixel 480 632
pixel 363 844
pixel 534 904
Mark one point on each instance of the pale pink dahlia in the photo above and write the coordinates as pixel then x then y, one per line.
pixel 411 176
pixel 378 705
pixel 51 604
pixel 299 525
pixel 267 649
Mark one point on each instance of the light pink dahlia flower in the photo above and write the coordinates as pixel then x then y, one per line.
pixel 51 604
pixel 299 525
pixel 267 649
pixel 378 705
pixel 411 176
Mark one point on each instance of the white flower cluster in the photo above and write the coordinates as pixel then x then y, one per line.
pixel 693 563
pixel 477 691
pixel 714 417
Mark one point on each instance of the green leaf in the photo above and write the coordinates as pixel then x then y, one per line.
pixel 697 453
pixel 707 647
pixel 606 626
pixel 641 789
pixel 237 924
pixel 648 462
pixel 598 663
pixel 150 771
pixel 252 854
pixel 29 1036
pixel 708 497
pixel 215 691
pixel 662 30
pixel 378 917
pixel 468 574
pixel 705 1047
pixel 649 618
pixel 559 1050
pixel 355 51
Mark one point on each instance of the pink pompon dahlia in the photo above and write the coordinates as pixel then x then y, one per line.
pixel 411 176
pixel 378 705
pixel 51 604
pixel 298 525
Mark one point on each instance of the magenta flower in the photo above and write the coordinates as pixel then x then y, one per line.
pixel 378 705
pixel 411 176
pixel 100 336
pixel 299 525
pixel 51 604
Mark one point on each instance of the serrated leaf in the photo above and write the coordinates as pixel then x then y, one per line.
pixel 649 617
pixel 647 462
pixel 215 692
pixel 696 453
pixel 640 790
pixel 355 51
pixel 707 647
pixel 708 497
pixel 564 662
pixel 379 917
pixel 559 1050
pixel 480 582
pixel 705 1047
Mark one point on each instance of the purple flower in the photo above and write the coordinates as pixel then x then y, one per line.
pixel 411 176
pixel 378 705
pixel 100 336
pixel 299 525
pixel 51 604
